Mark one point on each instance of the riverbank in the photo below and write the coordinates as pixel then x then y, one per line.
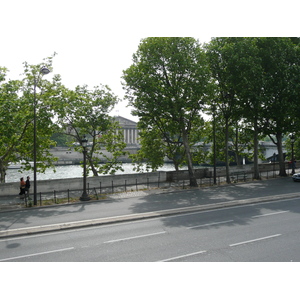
pixel 71 171
pixel 73 181
pixel 67 156
pixel 75 184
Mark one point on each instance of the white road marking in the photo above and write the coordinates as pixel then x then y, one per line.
pixel 135 237
pixel 270 214
pixel 182 256
pixel 255 240
pixel 35 254
pixel 210 224
pixel 148 220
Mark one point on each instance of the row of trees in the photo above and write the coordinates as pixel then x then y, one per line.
pixel 59 112
pixel 249 87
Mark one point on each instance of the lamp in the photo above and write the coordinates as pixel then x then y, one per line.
pixel 43 71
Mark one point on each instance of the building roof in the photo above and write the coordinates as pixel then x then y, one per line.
pixel 125 122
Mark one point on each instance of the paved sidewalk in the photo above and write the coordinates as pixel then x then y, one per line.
pixel 142 204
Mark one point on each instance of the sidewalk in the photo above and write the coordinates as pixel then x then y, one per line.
pixel 14 202
pixel 142 204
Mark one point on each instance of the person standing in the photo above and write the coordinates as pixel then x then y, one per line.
pixel 27 186
pixel 22 186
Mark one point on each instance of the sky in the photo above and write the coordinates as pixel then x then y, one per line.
pixel 95 40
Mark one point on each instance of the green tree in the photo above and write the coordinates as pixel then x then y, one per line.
pixel 280 59
pixel 61 139
pixel 84 112
pixel 225 104
pixel 158 143
pixel 243 64
pixel 12 123
pixel 168 84
pixel 17 114
pixel 152 152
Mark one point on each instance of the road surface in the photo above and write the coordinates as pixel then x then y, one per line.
pixel 259 232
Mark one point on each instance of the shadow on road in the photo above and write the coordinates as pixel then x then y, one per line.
pixel 218 194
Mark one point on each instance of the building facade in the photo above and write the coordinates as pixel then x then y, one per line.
pixel 130 131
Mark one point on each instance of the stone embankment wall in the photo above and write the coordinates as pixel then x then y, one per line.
pixel 221 171
pixel 45 186
pixel 184 174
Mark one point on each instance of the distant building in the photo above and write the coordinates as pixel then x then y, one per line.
pixel 130 131
pixel 129 128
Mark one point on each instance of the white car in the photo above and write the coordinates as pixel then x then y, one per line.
pixel 296 177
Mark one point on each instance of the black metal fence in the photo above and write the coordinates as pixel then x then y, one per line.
pixel 102 192
pixel 96 192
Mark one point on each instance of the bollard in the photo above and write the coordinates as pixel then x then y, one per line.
pixel 25 199
pixel 95 191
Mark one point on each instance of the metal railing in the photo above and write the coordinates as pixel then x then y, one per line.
pixel 102 192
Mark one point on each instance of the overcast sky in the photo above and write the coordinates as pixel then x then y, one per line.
pixel 95 40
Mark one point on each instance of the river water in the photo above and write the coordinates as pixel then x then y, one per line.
pixel 70 171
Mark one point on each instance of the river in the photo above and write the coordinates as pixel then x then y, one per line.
pixel 69 171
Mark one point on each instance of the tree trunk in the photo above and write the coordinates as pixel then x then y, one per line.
pixel 92 166
pixel 282 171
pixel 193 180
pixel 226 150
pixel 238 158
pixel 2 172
pixel 176 166
pixel 255 158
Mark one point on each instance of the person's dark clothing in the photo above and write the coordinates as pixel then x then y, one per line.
pixel 22 186
pixel 27 185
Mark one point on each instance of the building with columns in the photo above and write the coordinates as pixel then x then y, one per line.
pixel 130 131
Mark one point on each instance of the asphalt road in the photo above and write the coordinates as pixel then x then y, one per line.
pixel 146 201
pixel 267 231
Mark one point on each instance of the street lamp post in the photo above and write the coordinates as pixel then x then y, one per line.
pixel 292 137
pixel 214 149
pixel 84 196
pixel 43 71
pixel 274 159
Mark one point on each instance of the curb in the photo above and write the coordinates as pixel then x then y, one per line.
pixel 140 216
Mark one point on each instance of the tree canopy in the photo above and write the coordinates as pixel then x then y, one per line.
pixel 85 112
pixel 249 85
pixel 16 123
pixel 58 110
pixel 252 84
pixel 168 84
pixel 265 75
